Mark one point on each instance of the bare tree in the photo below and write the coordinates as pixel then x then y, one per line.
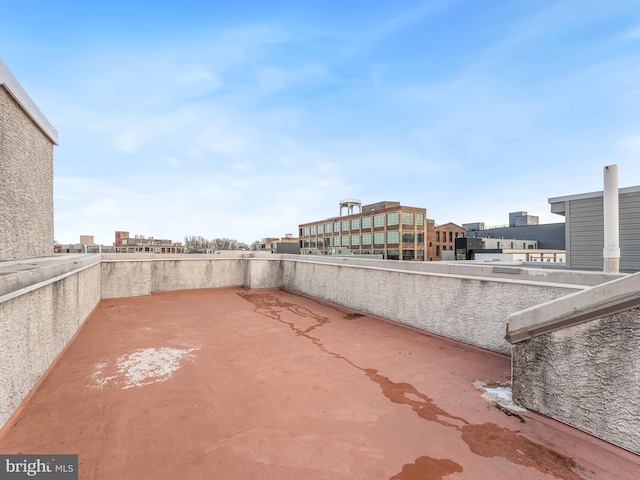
pixel 228 244
pixel 256 245
pixel 197 244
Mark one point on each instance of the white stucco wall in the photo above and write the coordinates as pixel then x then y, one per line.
pixel 35 328
pixel 468 308
pixel 26 185
pixel 26 174
pixel 126 277
pixel 587 376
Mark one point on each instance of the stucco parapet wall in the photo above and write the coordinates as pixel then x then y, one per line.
pixel 23 276
pixel 596 302
pixel 9 82
pixel 555 278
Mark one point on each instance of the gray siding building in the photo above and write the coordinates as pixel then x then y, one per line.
pixel 522 226
pixel 584 224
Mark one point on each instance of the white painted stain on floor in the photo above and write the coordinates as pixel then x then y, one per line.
pixel 141 367
pixel 500 395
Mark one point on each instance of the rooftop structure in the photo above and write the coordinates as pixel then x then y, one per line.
pixel 584 228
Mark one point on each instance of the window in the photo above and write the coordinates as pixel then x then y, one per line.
pixel 408 254
pixel 408 237
pixel 320 229
pixel 393 254
pixel 314 230
pixel 378 220
pixel 378 238
pixel 345 226
pixel 355 224
pixel 336 226
pixel 393 218
pixel 306 244
pixel 355 240
pixel 328 228
pixel 450 237
pixel 366 222
pixel 393 237
pixel 313 243
pixel 327 241
pixel 420 237
pixel 344 240
pixel 437 250
pixel 420 219
pixel 366 239
pixel 437 236
pixel 124 241
pixel 407 218
pixel 320 243
pixel 306 230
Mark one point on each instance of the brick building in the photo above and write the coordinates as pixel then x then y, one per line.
pixel 139 244
pixel 386 228
pixel 442 238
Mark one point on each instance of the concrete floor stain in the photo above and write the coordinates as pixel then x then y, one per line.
pixel 490 440
pixel 487 440
pixel 427 468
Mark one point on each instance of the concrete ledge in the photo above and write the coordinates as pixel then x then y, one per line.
pixel 23 276
pixel 596 302
pixel 8 81
pixel 569 278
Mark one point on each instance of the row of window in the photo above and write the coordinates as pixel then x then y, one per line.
pixel 392 219
pixel 378 238
pixel 451 236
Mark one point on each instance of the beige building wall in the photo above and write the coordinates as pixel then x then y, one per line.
pixel 26 174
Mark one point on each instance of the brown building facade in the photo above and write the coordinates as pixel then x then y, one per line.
pixel 442 238
pixel 386 228
pixel 139 244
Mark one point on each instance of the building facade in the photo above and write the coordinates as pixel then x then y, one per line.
pixel 286 244
pixel 395 231
pixel 139 244
pixel 584 223
pixel 442 239
pixel 522 226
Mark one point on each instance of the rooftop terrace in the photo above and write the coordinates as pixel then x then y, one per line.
pixel 267 383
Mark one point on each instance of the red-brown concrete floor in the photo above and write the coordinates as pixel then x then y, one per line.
pixel 267 384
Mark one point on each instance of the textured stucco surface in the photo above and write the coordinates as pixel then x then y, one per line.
pixel 26 185
pixel 470 310
pixel 35 327
pixel 587 376
pixel 127 278
pixel 182 274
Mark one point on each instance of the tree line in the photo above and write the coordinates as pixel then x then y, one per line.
pixel 198 244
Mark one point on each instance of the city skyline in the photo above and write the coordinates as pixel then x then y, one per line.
pixel 244 121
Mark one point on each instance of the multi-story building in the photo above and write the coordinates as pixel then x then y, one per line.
pixel 286 244
pixel 442 239
pixel 386 228
pixel 522 226
pixel 86 245
pixel 139 244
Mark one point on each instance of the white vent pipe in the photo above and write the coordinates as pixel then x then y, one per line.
pixel 611 220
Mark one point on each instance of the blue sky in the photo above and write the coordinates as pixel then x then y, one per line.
pixel 244 119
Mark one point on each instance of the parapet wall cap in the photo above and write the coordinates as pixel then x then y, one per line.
pixel 9 82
